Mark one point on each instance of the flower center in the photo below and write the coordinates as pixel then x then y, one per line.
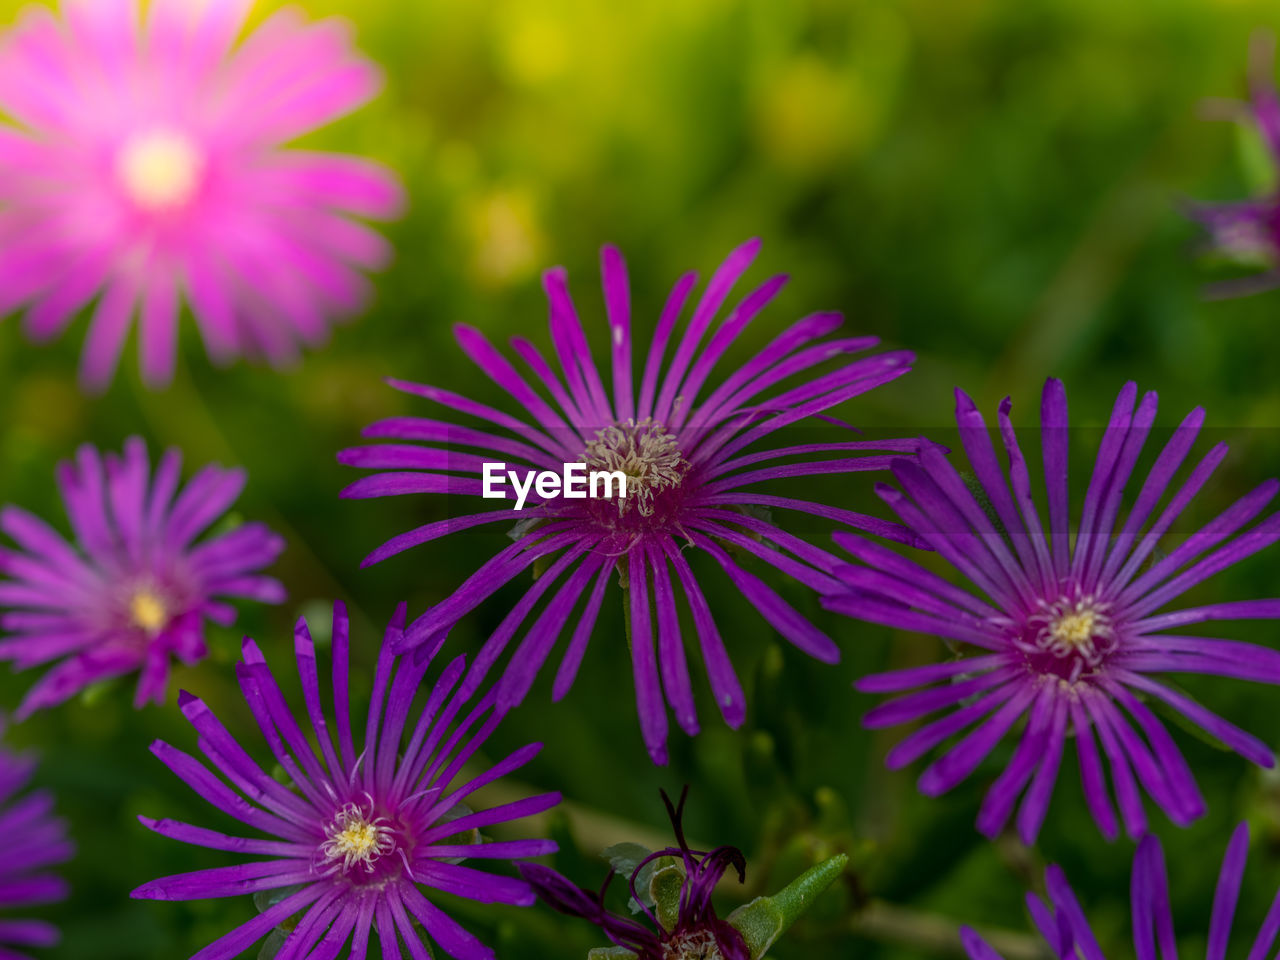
pixel 356 839
pixel 1076 630
pixel 147 611
pixel 1073 629
pixel 648 457
pixel 160 169
pixel 692 945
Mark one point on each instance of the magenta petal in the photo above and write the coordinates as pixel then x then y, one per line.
pixel 403 784
pixel 689 482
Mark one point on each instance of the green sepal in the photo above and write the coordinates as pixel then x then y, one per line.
pixel 263 901
pixel 764 919
pixel 610 953
pixel 979 492
pixel 665 886
pixel 271 946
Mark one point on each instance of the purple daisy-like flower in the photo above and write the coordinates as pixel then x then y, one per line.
pixel 145 165
pixel 695 931
pixel 1069 635
pixel 1065 929
pixel 362 829
pixel 34 841
pixel 693 462
pixel 136 587
pixel 1248 232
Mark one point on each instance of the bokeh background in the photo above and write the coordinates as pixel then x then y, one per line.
pixel 992 183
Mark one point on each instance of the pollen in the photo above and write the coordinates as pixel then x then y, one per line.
pixel 646 454
pixel 357 839
pixel 160 170
pixel 148 612
pixel 1077 628
pixel 1073 629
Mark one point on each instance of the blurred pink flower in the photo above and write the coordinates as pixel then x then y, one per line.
pixel 145 168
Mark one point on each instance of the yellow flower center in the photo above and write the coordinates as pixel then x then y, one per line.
pixel 148 612
pixel 160 169
pixel 1074 629
pixel 357 840
pixel 354 838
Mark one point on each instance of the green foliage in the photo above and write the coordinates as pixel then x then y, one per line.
pixel 992 184
pixel 765 919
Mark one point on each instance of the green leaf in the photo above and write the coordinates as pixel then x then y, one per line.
pixel 95 693
pixel 319 617
pixel 230 521
pixel 625 858
pixel 1255 158
pixel 764 919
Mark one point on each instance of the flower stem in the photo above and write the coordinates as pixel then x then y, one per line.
pixel 890 923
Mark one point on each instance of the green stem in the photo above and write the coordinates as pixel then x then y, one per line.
pixel 626 613
pixel 889 923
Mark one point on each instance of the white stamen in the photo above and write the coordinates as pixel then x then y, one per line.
pixel 693 945
pixel 357 838
pixel 1079 627
pixel 646 453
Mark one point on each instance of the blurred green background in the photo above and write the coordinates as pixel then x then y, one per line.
pixel 992 183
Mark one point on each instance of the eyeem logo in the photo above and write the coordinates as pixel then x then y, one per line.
pixel 574 484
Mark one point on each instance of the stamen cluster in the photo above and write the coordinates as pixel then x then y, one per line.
pixel 646 453
pixel 357 838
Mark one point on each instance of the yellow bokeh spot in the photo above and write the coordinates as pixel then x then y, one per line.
pixel 534 45
pixel 506 241
pixel 812 115
pixel 147 611
pixel 160 169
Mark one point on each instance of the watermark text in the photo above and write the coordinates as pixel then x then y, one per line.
pixel 574 483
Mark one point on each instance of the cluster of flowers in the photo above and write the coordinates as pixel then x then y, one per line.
pixel 145 167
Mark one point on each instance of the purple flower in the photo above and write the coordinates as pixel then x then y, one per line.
pixel 34 840
pixel 693 468
pixel 1248 232
pixel 136 588
pixel 361 829
pixel 695 930
pixel 1063 925
pixel 146 167
pixel 1069 636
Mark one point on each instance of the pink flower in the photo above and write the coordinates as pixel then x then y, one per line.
pixel 145 168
